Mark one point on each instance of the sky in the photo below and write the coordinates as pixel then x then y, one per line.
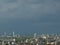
pixel 30 16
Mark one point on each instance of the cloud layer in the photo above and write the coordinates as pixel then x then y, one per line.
pixel 41 14
pixel 29 8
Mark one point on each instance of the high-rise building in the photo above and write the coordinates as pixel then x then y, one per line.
pixel 13 34
pixel 35 35
pixel 5 34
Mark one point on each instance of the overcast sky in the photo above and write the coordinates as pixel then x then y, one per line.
pixel 30 16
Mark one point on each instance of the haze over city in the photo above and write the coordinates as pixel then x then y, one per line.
pixel 30 16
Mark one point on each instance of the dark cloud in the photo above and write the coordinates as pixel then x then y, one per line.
pixel 36 15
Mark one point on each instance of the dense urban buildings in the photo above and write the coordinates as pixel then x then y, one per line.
pixel 43 39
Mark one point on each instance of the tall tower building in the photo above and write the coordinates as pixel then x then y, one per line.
pixel 35 35
pixel 13 34
pixel 5 34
